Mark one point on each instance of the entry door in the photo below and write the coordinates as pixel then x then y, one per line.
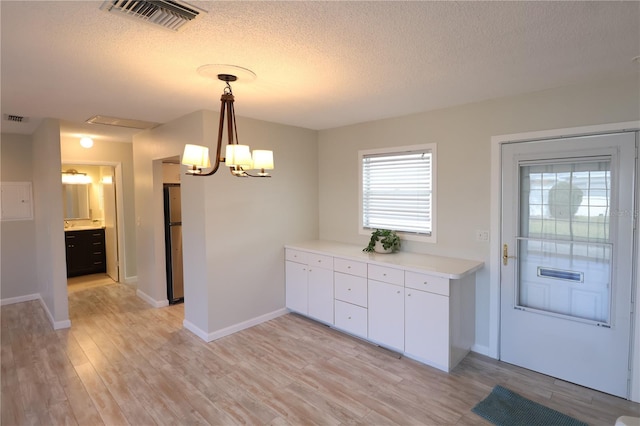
pixel 110 222
pixel 567 258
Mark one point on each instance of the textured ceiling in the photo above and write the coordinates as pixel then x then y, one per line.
pixel 318 64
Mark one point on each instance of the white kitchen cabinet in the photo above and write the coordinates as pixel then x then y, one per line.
pixel 309 284
pixel 420 305
pixel 351 318
pixel 351 289
pixel 320 282
pixel 297 294
pixel 386 315
pixel 426 328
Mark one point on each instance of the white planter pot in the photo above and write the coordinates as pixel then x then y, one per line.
pixel 378 248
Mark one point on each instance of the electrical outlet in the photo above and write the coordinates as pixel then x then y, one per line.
pixel 482 236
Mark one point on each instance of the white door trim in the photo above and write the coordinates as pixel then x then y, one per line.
pixel 495 230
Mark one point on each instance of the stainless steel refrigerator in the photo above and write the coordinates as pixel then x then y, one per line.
pixel 173 243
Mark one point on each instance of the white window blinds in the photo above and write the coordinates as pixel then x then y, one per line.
pixel 397 191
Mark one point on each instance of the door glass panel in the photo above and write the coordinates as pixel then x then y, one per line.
pixel 564 247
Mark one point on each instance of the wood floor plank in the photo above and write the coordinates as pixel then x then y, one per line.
pixel 80 401
pixel 125 362
pixel 103 400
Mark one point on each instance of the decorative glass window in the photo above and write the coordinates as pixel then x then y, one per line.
pixel 398 191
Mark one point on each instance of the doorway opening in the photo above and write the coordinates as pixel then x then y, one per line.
pixel 91 225
pixel 173 230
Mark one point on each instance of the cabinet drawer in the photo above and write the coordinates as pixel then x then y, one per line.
pixel 424 282
pixel 350 288
pixel 386 275
pixel 351 318
pixel 319 261
pixel 296 255
pixel 350 267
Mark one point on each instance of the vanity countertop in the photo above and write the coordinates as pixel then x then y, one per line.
pixel 83 228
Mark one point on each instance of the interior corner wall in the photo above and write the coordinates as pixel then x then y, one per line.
pixel 18 278
pixel 234 229
pixel 50 248
pixel 111 152
pixel 463 137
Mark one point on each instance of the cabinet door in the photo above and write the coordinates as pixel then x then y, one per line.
pixel 386 314
pixel 79 255
pixel 351 318
pixel 321 294
pixel 427 328
pixel 296 292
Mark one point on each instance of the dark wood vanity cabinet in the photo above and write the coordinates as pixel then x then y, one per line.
pixel 85 252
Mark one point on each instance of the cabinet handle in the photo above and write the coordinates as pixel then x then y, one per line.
pixel 348 267
pixel 319 261
pixel 349 317
pixel 349 289
pixel 384 275
pixel 398 291
pixel 409 294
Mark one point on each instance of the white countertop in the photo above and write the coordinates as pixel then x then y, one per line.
pixel 446 267
pixel 83 227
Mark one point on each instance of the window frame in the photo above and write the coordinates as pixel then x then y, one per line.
pixel 432 147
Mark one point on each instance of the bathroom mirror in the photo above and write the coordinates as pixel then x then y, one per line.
pixel 75 198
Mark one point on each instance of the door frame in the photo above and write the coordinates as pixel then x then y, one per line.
pixel 495 228
pixel 119 182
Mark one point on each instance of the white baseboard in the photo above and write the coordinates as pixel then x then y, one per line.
pixel 210 337
pixel 131 280
pixel 19 299
pixel 155 303
pixel 57 325
pixel 480 349
pixel 196 330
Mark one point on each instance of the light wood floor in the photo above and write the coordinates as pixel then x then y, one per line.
pixel 123 362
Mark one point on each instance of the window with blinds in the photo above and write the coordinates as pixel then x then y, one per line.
pixel 398 189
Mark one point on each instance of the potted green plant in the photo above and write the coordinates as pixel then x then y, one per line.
pixel 383 241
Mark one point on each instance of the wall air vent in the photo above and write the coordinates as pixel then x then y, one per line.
pixel 15 118
pixel 169 14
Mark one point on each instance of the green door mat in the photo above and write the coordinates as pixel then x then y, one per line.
pixel 506 408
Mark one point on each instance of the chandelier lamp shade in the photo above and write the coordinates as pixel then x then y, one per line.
pixel 238 158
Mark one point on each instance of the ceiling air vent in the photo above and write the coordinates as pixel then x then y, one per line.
pixel 169 14
pixel 121 122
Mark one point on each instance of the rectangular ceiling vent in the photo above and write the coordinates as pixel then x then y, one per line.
pixel 121 122
pixel 169 14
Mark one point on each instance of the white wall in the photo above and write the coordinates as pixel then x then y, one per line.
pixel 111 153
pixel 234 229
pixel 50 248
pixel 463 135
pixel 18 277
